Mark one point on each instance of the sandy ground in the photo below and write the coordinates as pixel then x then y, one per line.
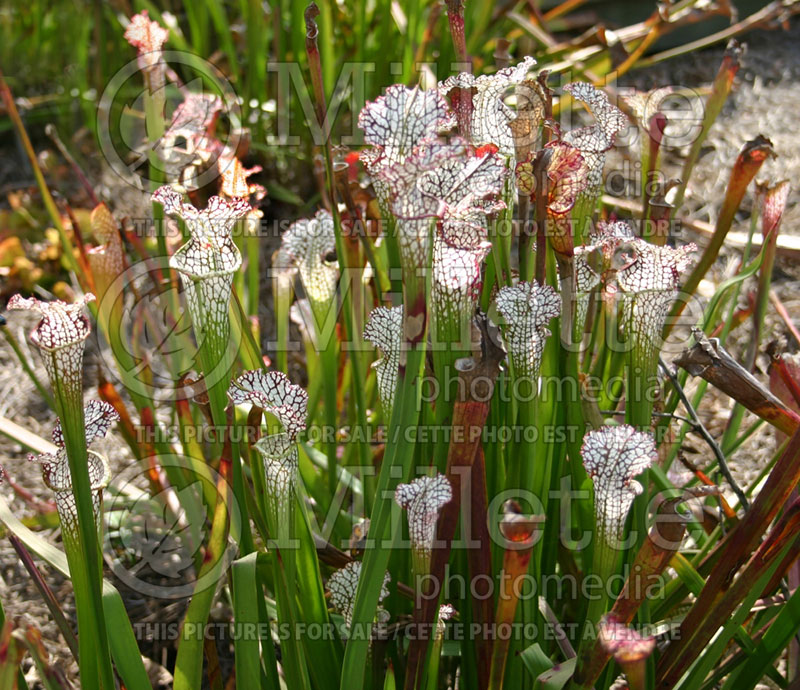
pixel 764 101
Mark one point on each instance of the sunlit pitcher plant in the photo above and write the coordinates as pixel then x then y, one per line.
pixel 468 398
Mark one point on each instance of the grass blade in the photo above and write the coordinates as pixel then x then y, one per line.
pixel 245 616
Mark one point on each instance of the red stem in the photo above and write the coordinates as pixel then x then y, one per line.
pixel 480 565
pixel 477 376
pixel 455 15
pixel 748 163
